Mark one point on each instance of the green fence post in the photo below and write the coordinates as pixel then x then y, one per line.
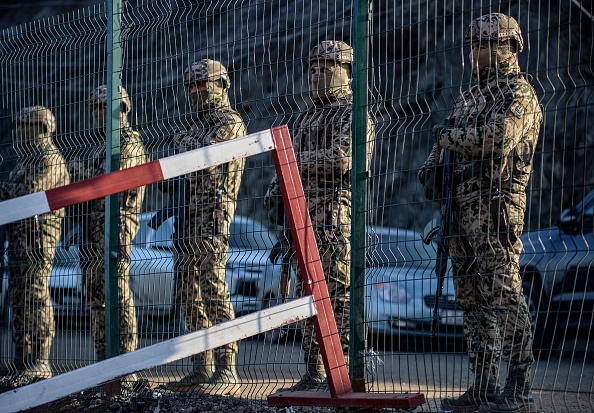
pixel 112 208
pixel 362 15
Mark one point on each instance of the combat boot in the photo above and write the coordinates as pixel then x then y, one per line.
pixel 6 370
pixel 314 379
pixel 32 367
pixel 516 396
pixel 38 371
pixel 225 380
pixel 203 371
pixel 482 391
pixel 311 382
pixel 133 383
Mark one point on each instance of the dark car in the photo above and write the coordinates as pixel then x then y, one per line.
pixel 556 265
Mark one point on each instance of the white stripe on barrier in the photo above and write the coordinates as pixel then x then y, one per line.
pixel 220 153
pixel 174 349
pixel 172 166
pixel 24 206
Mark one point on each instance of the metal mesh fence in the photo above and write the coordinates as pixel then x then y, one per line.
pixel 417 66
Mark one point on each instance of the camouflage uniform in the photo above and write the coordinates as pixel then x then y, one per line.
pixel 493 130
pixel 91 215
pixel 33 242
pixel 322 140
pixel 203 240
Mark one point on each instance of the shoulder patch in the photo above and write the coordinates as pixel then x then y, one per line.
pixel 517 109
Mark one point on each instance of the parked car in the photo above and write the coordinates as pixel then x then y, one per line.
pixel 401 286
pixel 556 265
pixel 253 280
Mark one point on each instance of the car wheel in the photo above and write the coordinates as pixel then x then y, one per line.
pixel 543 340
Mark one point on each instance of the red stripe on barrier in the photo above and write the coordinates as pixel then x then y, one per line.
pixel 104 185
pixel 310 263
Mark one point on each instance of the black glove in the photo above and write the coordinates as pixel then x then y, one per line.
pixel 276 252
pixel 437 130
pixel 440 128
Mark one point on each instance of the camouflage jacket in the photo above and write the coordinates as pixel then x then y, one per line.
pixel 493 129
pixel 206 187
pixel 322 141
pixel 132 153
pixel 39 172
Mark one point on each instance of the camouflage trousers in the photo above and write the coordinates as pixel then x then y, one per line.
pixel 33 312
pixel 489 289
pixel 335 255
pixel 202 290
pixel 93 266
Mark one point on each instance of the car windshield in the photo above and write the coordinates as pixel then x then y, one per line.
pixel 397 247
pixel 149 238
pixel 245 233
pixel 65 257
pixel 249 234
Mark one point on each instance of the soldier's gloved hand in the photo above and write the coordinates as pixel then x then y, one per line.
pixel 440 128
pixel 437 131
pixel 276 252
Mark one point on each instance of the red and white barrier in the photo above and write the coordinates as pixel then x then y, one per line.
pixel 155 355
pixel 125 179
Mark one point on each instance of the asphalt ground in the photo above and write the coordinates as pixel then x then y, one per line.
pixel 562 383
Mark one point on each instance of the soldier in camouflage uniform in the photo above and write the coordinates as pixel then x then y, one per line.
pixel 91 216
pixel 203 239
pixel 322 140
pixel 493 131
pixel 33 243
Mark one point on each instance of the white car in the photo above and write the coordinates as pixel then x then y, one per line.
pixel 401 286
pixel 253 280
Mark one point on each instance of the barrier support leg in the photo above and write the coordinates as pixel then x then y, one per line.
pixel 341 393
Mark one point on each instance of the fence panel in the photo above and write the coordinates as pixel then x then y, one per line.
pixel 416 66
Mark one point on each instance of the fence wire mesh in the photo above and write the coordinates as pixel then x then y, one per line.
pixel 208 260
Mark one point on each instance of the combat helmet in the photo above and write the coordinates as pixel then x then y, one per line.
pixel 99 96
pixel 495 27
pixel 206 70
pixel 335 50
pixel 37 114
